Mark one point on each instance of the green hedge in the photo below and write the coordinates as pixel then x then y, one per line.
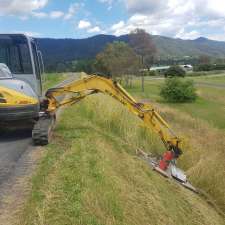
pixel 178 90
pixel 209 67
pixel 175 71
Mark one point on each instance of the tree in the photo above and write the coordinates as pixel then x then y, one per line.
pixel 61 67
pixel 143 45
pixel 85 65
pixel 175 71
pixel 204 59
pixel 116 60
pixel 219 61
pixel 178 90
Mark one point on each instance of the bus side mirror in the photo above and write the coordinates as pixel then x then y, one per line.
pixel 41 63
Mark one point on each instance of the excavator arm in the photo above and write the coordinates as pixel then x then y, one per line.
pixel 75 91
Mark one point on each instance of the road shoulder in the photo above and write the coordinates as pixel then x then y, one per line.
pixel 15 190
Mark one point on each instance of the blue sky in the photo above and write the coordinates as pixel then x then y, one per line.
pixel 187 19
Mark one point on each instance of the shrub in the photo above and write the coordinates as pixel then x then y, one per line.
pixel 150 73
pixel 175 71
pixel 203 67
pixel 219 67
pixel 209 67
pixel 177 90
pixel 205 73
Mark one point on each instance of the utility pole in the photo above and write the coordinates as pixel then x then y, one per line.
pixel 142 75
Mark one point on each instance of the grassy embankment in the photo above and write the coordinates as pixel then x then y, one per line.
pixel 90 174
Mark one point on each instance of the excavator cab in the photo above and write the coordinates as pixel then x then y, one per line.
pixel 21 69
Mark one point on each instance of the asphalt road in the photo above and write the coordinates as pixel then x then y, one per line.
pixel 13 146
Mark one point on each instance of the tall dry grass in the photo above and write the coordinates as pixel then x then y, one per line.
pixel 204 153
pixel 114 118
pixel 204 145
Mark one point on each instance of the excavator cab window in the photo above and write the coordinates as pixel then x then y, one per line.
pixel 15 54
pixel 36 65
pixel 36 61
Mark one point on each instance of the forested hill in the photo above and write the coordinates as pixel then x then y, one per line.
pixel 66 50
pixel 180 48
pixel 70 49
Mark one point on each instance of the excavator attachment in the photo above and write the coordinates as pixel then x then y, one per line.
pixel 171 172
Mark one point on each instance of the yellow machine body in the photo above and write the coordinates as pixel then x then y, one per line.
pixel 12 98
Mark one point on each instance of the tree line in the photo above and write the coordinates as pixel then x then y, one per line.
pixel 121 60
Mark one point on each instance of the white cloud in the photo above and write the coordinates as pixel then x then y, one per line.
pixel 106 1
pixel 186 19
pixel 18 7
pixel 211 8
pixel 72 10
pixel 109 2
pixel 56 14
pixel 187 35
pixel 217 37
pixel 51 15
pixel 144 6
pixel 28 33
pixel 26 8
pixel 94 30
pixel 88 27
pixel 39 15
pixel 118 26
pixel 84 24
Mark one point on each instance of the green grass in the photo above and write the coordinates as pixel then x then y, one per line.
pixel 210 111
pixel 52 79
pixel 90 175
pixel 217 79
pixel 208 107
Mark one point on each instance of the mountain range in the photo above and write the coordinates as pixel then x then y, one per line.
pixel 66 50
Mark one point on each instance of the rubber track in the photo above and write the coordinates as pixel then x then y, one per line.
pixel 41 131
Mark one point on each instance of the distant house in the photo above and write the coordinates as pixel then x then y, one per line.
pixel 162 69
pixel 187 68
pixel 159 69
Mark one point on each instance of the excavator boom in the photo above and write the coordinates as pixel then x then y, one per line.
pixel 78 90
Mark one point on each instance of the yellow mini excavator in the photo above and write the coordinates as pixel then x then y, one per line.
pixel 21 100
